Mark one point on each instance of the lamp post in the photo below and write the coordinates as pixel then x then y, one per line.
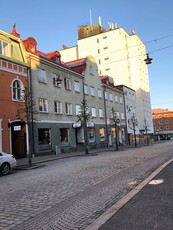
pixel 133 122
pixel 116 121
pixel 105 113
pixel 146 129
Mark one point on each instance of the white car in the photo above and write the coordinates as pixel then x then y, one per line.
pixel 7 162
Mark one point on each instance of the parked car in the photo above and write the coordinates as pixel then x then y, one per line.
pixel 7 162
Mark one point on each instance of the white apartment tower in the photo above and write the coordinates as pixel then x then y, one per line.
pixel 120 56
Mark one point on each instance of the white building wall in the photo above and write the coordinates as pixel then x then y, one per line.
pixel 120 56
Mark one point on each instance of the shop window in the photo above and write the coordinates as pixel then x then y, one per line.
pixel 44 136
pixel 91 134
pixel 64 134
pixel 102 134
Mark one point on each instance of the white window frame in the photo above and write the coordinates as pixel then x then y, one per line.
pixel 86 89
pixel 101 113
pixel 68 108
pixel 93 112
pixel 5 48
pixel 58 107
pixel 43 105
pixel 76 86
pixel 116 98
pixel 99 93
pixel 92 91
pixel 111 97
pixel 78 109
pixel 67 83
pixel 18 90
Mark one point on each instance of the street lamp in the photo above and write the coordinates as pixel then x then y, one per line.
pixel 116 121
pixel 133 122
pixel 148 60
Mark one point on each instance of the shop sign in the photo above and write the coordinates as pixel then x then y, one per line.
pixel 76 125
pixel 90 124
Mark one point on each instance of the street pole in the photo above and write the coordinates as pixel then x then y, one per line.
pixel 85 120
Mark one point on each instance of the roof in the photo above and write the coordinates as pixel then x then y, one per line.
pixel 78 65
pixel 159 110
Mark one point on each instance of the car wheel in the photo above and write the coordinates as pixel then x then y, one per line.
pixel 5 169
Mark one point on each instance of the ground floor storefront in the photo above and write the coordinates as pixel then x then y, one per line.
pixel 60 137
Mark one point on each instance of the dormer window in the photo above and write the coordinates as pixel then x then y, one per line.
pixel 32 48
pixel 5 46
pixel 57 59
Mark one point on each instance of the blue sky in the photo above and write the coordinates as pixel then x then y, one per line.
pixel 54 23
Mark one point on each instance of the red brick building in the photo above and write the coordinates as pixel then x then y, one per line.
pixel 163 123
pixel 13 81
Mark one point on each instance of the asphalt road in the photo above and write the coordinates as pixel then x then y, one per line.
pixel 72 193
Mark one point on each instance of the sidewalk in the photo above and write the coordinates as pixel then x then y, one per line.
pixel 148 206
pixel 41 159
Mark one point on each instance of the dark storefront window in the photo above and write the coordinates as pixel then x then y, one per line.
pixel 44 136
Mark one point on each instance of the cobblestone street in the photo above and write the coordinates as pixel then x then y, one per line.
pixel 71 193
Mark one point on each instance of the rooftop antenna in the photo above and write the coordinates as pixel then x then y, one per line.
pixel 90 18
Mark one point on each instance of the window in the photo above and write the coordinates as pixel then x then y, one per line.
pixel 78 109
pixel 99 61
pixel 121 100
pixel 58 107
pixel 106 95
pixel 160 122
pixel 67 83
pixel 99 93
pixel 122 116
pixel 116 98
pixel 91 70
pixel 68 108
pixel 43 106
pixel 166 121
pixel 167 127
pixel 111 97
pixel 106 58
pixel 41 74
pixel 104 37
pixel 101 113
pixel 56 80
pixel 18 91
pixel 93 112
pixel 92 91
pixel 44 136
pixel 86 89
pixel 105 48
pixel 102 134
pixel 5 48
pixel 107 69
pixel 76 86
pixel 98 51
pixel 91 133
pixel 97 40
pixel 64 134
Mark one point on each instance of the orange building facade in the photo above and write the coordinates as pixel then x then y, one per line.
pixel 13 82
pixel 163 123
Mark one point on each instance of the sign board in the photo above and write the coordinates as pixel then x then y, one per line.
pixel 17 128
pixel 90 124
pixel 76 125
